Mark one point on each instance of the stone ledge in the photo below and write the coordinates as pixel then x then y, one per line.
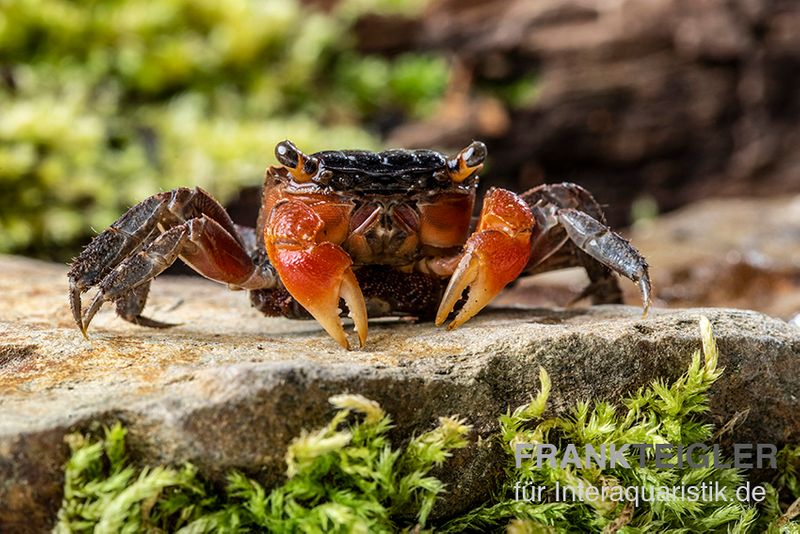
pixel 231 388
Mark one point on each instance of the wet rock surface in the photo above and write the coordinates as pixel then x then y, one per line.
pixel 231 388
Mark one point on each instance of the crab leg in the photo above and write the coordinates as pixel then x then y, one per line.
pixel 607 247
pixel 185 223
pixel 316 273
pixel 202 243
pixel 137 270
pixel 128 234
pixel 493 256
pixel 571 231
pixel 130 306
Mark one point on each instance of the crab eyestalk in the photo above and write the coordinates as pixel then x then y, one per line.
pixel 467 162
pixel 301 166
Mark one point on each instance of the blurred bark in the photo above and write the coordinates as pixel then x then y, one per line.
pixel 677 100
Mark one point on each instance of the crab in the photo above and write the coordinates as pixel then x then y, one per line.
pixel 364 234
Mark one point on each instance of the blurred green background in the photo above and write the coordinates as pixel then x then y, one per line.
pixel 103 103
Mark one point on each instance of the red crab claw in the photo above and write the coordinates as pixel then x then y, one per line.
pixel 493 256
pixel 316 274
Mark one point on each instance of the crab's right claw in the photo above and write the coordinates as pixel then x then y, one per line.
pixel 317 275
pixel 493 256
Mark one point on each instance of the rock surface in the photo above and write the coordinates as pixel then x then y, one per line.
pixel 230 388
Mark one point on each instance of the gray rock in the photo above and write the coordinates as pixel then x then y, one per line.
pixel 231 388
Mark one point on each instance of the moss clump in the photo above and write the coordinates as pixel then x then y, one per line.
pixel 106 103
pixel 346 477
pixel 659 414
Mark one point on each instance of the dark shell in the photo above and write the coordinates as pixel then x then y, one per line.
pixel 388 163
pixel 389 172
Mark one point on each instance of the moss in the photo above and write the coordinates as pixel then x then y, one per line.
pixel 348 477
pixel 659 414
pixel 106 103
pixel 344 477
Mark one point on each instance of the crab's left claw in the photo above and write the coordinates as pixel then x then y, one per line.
pixel 316 274
pixel 493 256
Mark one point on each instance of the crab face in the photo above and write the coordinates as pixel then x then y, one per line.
pixel 388 208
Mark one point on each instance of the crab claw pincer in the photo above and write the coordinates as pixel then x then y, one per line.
pixel 493 256
pixel 317 274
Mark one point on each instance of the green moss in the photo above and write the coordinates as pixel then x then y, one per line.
pixel 410 83
pixel 106 103
pixel 657 414
pixel 347 476
pixel 519 93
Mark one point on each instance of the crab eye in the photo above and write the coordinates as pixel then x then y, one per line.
pixel 287 154
pixel 467 162
pixel 300 166
pixel 474 154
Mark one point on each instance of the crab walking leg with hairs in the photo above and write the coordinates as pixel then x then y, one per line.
pixel 607 247
pixel 201 242
pixel 571 231
pixel 316 273
pixel 494 255
pixel 138 269
pixel 123 259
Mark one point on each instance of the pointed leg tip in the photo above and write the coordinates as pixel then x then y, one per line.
pixel 75 306
pixel 141 320
pixel 646 290
pixel 97 303
pixel 79 323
